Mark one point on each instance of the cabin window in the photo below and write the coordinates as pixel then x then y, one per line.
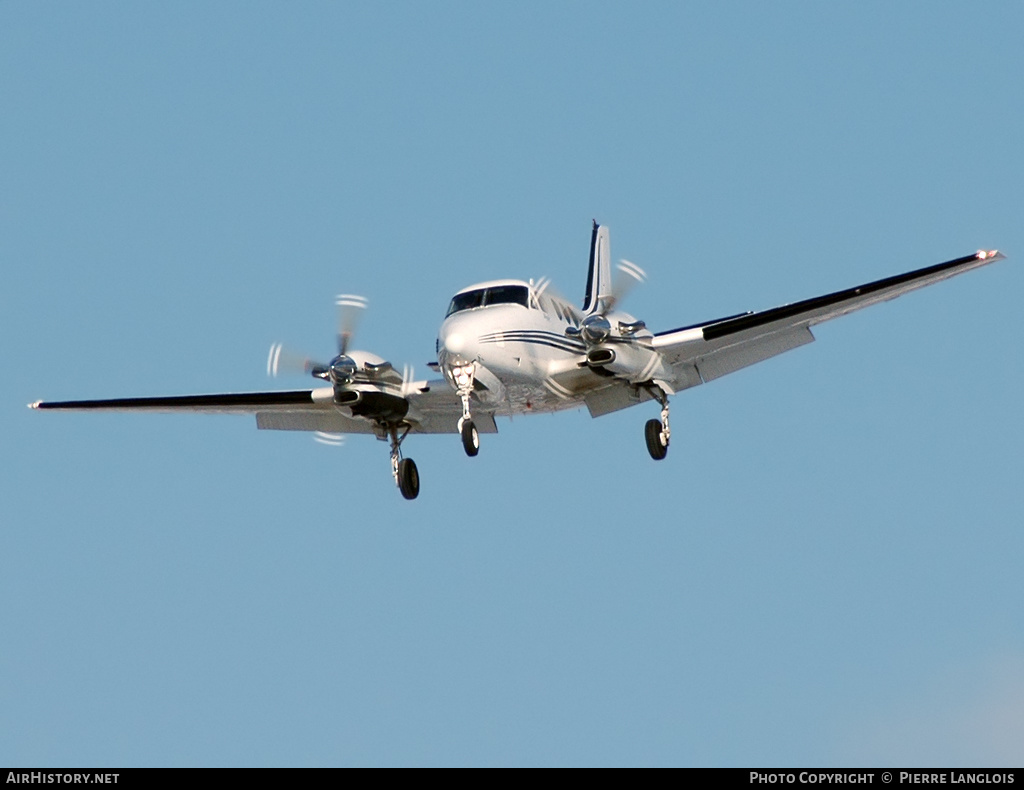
pixel 484 297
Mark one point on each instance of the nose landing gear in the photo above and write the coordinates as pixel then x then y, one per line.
pixel 463 376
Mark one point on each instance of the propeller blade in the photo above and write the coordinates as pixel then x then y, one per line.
pixel 330 439
pixel 544 286
pixel 556 389
pixel 408 377
pixel 631 270
pixel 630 276
pixel 283 361
pixel 350 310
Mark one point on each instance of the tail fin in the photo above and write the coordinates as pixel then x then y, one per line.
pixel 599 278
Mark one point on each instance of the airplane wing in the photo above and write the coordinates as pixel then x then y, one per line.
pixel 433 408
pixel 703 352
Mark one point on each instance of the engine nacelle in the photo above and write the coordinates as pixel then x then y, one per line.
pixel 633 362
pixel 371 402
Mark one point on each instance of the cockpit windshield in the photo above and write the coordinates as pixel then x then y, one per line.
pixel 484 297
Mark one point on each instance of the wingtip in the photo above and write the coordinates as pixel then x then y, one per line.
pixel 989 255
pixel 35 404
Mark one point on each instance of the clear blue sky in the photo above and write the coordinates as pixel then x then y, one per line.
pixel 825 571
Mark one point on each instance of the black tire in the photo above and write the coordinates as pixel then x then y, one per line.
pixel 408 478
pixel 655 446
pixel 470 438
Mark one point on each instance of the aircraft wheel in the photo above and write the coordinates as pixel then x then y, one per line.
pixel 470 438
pixel 655 446
pixel 408 478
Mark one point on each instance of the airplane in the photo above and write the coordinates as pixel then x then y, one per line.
pixel 512 347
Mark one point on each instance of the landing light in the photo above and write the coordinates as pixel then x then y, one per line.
pixel 462 374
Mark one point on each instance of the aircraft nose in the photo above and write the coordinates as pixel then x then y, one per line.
pixel 456 339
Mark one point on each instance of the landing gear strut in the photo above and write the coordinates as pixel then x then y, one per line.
pixel 407 476
pixel 656 432
pixel 463 376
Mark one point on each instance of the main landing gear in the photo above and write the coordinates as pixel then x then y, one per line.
pixel 407 476
pixel 656 432
pixel 470 437
pixel 463 376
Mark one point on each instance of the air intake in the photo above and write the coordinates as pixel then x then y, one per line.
pixel 600 356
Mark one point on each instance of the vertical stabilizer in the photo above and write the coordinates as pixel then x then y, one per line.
pixel 599 277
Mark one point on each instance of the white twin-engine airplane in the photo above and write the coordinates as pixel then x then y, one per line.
pixel 512 347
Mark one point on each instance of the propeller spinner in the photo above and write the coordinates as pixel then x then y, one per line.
pixel 339 371
pixel 596 328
